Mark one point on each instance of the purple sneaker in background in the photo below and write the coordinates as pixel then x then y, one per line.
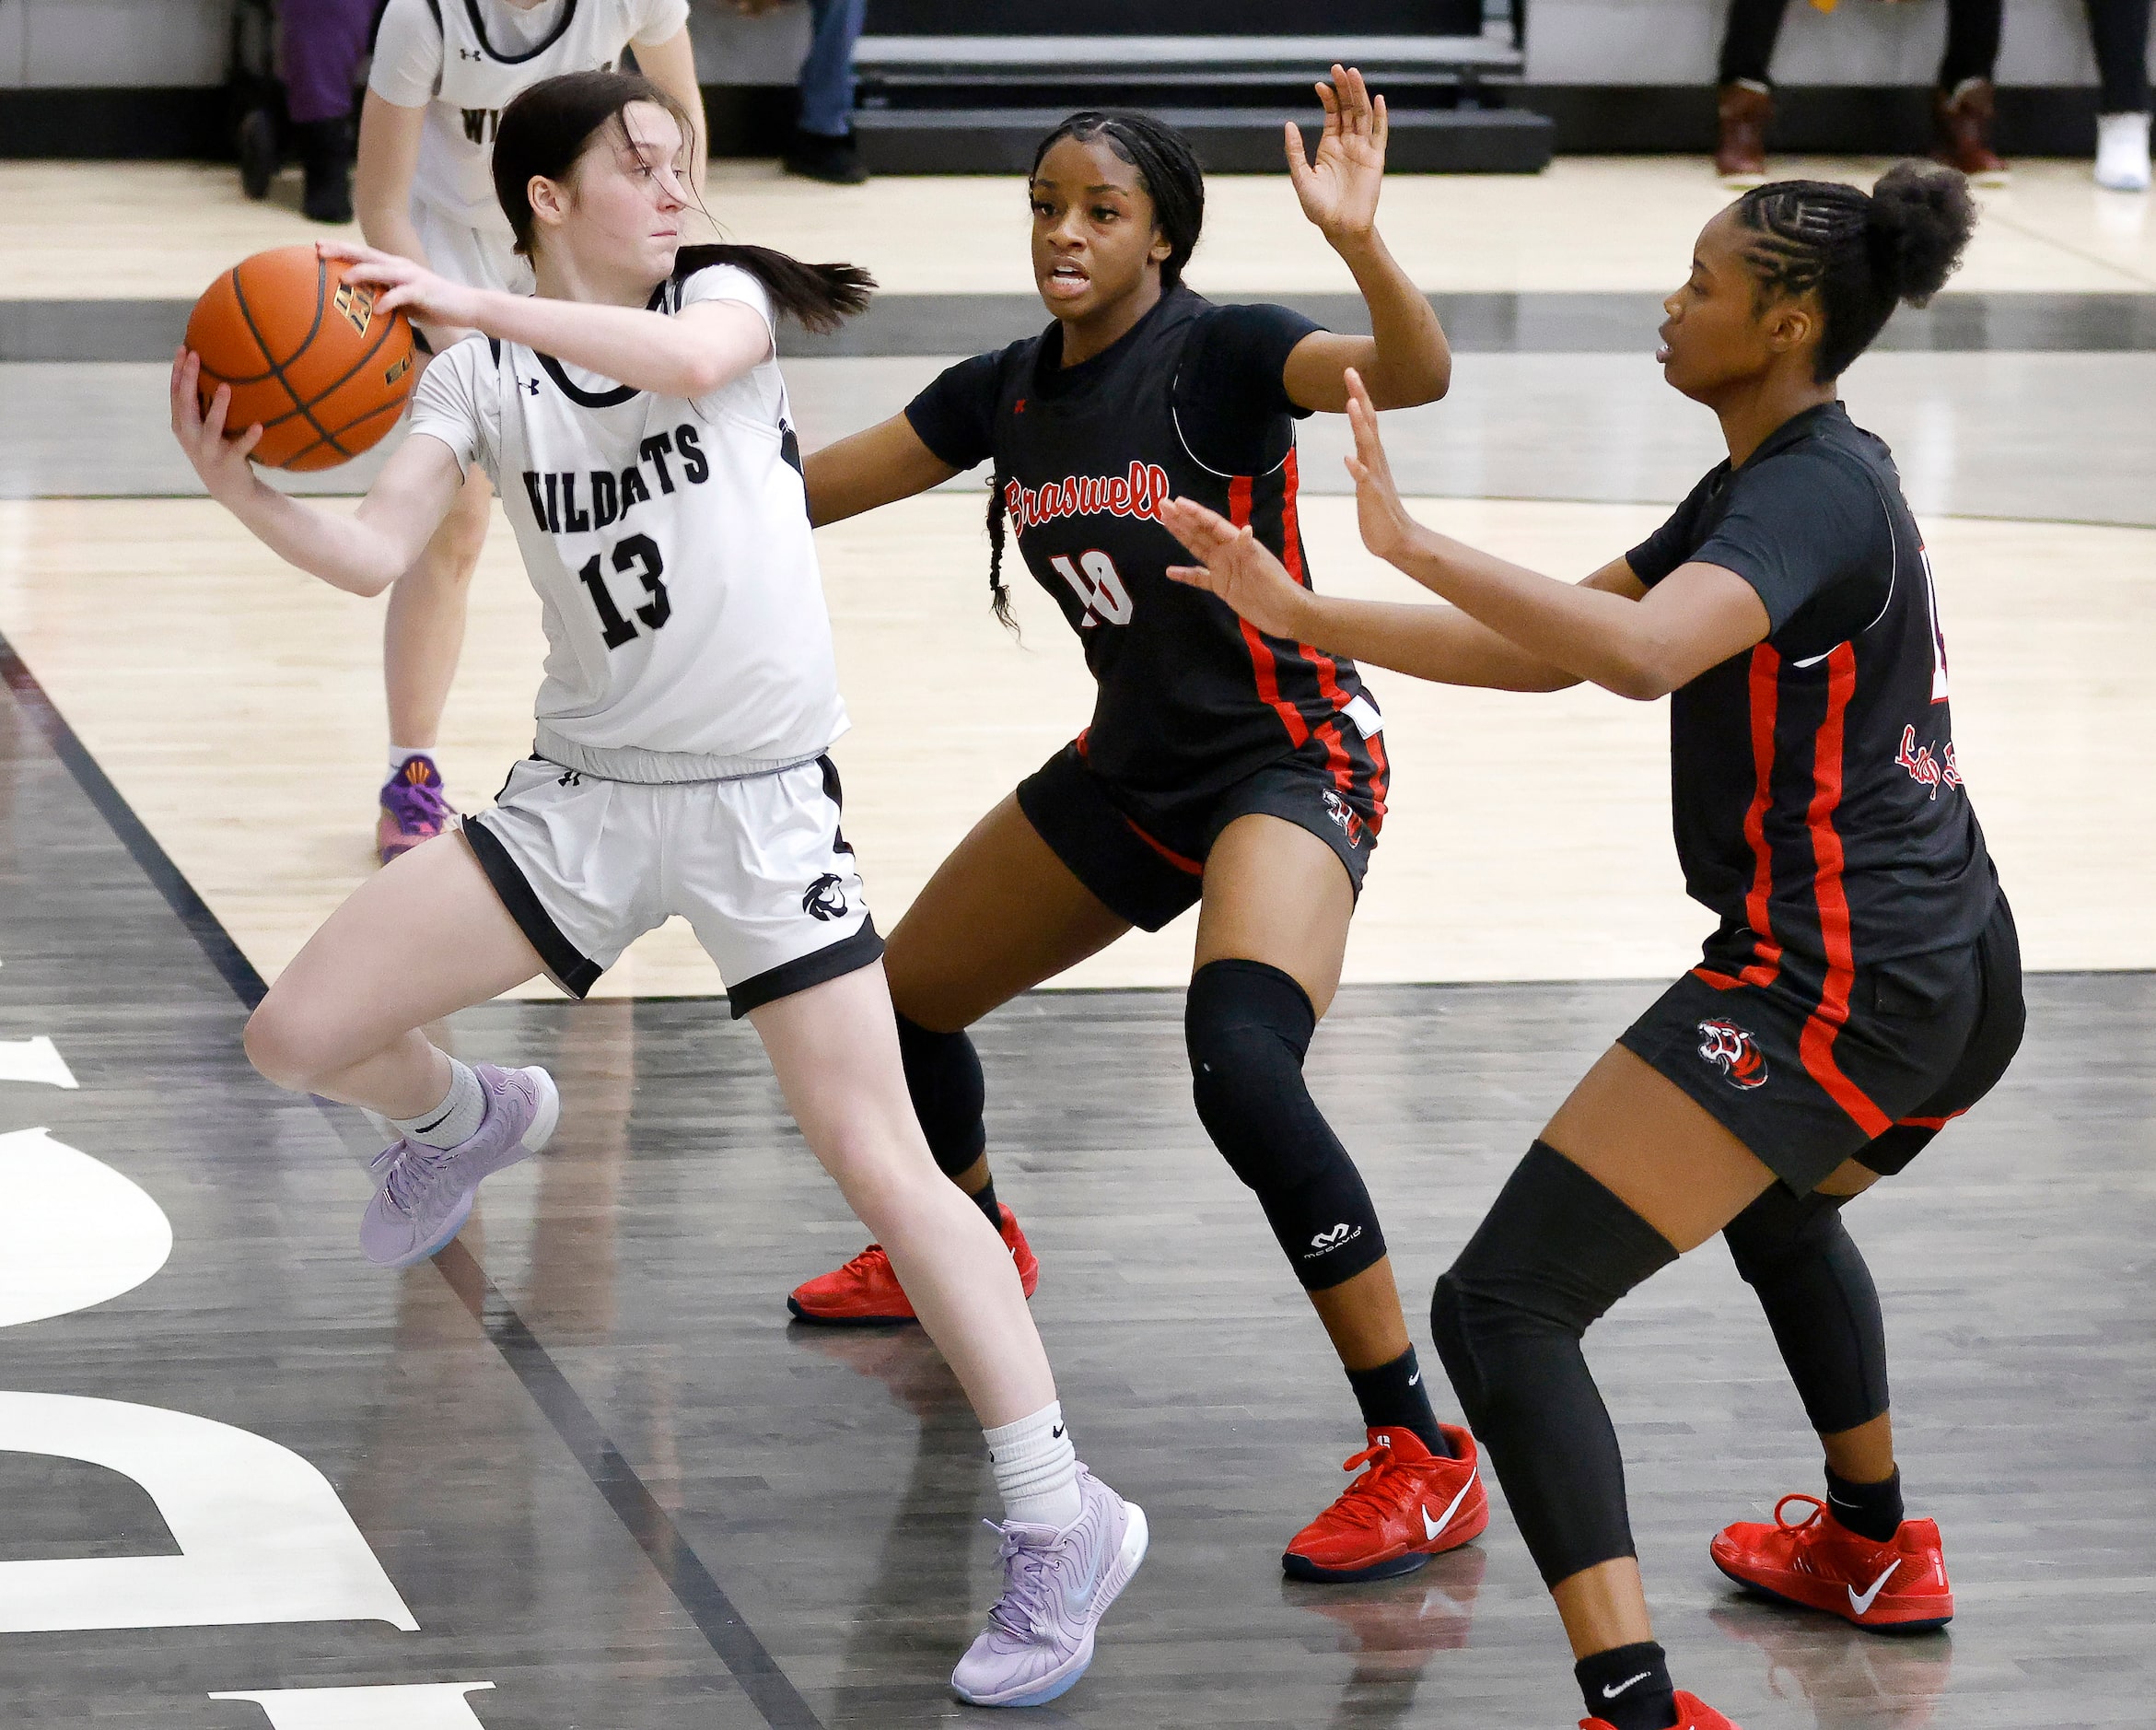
pixel 1057 1586
pixel 427 1192
pixel 415 808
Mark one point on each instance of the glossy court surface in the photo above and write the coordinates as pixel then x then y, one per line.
pixel 606 1477
pixel 584 1468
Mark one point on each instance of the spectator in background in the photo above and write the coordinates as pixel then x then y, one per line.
pixel 1961 106
pixel 822 147
pixel 322 43
pixel 2120 29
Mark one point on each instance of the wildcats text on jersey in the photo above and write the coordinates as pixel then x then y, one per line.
pixel 1139 493
pixel 608 497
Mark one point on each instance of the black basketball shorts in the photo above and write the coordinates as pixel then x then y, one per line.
pixel 1809 1070
pixel 1144 854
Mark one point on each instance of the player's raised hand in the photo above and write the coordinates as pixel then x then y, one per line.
pixel 1339 191
pixel 407 286
pixel 1234 565
pixel 1387 528
pixel 220 462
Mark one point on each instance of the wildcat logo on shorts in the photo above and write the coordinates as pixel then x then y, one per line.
pixel 1343 814
pixel 1729 1044
pixel 826 899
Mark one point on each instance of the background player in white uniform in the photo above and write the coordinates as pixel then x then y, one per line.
pixel 443 71
pixel 634 412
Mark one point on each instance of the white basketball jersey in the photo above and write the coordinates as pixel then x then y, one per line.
pixel 670 543
pixel 481 72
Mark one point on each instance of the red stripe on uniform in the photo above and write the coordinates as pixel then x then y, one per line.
pixel 1765 684
pixel 1816 1045
pixel 1262 669
pixel 1925 1123
pixel 1721 981
pixel 1328 669
pixel 1381 771
pixel 1168 853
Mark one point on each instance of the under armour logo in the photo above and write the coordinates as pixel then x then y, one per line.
pixel 570 778
pixel 530 386
pixel 470 53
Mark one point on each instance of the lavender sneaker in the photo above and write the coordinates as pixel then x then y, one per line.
pixel 1057 1586
pixel 415 808
pixel 427 1192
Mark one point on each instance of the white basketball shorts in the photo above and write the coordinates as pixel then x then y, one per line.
pixel 757 867
pixel 475 257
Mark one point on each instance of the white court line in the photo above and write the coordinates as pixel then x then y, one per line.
pixel 34 1060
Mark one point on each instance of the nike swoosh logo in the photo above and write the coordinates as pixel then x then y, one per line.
pixel 1860 1605
pixel 1611 1693
pixel 1430 1527
pixel 1055 1434
pixel 1414 1378
pixel 1075 1602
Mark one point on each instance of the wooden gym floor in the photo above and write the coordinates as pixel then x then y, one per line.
pixel 588 1456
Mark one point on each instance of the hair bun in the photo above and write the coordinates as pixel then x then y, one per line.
pixel 1918 221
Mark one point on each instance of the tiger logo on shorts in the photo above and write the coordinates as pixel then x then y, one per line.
pixel 1743 1063
pixel 826 899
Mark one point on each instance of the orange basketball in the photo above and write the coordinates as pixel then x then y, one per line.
pixel 306 355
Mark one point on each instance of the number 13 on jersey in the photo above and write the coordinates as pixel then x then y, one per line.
pixel 1098 585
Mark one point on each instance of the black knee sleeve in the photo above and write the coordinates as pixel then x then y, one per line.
pixel 943 1074
pixel 1796 1254
pixel 1247 1026
pixel 1555 1251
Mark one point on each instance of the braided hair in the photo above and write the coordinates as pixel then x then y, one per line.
pixel 1862 254
pixel 1168 173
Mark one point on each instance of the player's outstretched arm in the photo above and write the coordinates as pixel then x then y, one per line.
pixel 1441 644
pixel 1405 358
pixel 690 353
pixel 363 553
pixel 878 466
pixel 1611 629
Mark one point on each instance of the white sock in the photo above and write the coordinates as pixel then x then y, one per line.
pixel 1036 1469
pixel 453 1122
pixel 402 755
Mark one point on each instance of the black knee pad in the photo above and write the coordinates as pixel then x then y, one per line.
pixel 1555 1251
pixel 943 1074
pixel 1798 1255
pixel 1247 1026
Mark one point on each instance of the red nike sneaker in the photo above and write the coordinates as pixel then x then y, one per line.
pixel 1410 1506
pixel 1693 1713
pixel 866 1293
pixel 1821 1564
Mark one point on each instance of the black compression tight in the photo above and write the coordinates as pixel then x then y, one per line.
pixel 943 1074
pixel 1812 1281
pixel 1555 1251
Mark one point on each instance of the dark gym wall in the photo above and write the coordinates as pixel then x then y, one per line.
pixel 1188 18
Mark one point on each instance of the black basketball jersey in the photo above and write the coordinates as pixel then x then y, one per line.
pixel 1191 698
pixel 1818 806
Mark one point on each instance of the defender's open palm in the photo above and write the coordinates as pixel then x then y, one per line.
pixel 1235 566
pixel 1339 191
pixel 220 462
pixel 1387 528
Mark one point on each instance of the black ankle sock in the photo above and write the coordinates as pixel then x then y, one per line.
pixel 984 1199
pixel 1872 1511
pixel 1391 1396
pixel 1629 1686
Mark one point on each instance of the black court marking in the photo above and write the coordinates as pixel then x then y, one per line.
pixel 732 1641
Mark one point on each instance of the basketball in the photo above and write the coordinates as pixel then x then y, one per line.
pixel 306 353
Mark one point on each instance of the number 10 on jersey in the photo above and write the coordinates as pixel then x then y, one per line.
pixel 1098 585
